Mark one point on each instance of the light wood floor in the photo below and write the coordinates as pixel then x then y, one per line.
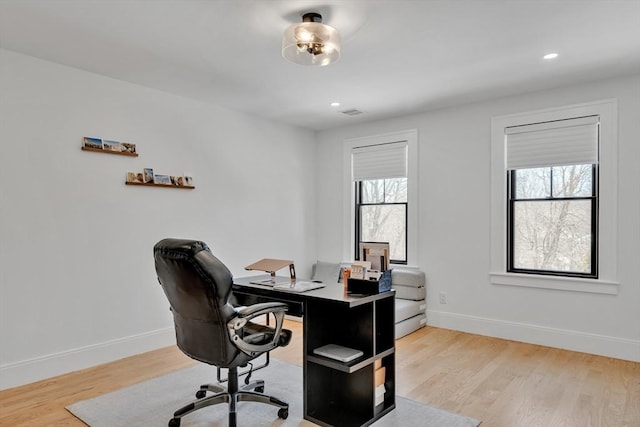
pixel 503 383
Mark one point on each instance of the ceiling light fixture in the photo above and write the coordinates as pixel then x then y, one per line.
pixel 335 104
pixel 311 42
pixel 552 55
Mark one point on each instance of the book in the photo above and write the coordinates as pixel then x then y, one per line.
pixel 379 394
pixel 379 376
pixel 338 352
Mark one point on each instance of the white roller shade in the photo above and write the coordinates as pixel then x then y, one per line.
pixel 562 142
pixel 379 161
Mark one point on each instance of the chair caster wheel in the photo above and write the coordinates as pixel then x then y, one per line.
pixel 259 389
pixel 283 413
pixel 200 394
pixel 174 422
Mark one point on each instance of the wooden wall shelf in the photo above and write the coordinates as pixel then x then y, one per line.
pixel 151 184
pixel 119 153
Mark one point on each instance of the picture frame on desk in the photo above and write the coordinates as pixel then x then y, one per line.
pixel 377 253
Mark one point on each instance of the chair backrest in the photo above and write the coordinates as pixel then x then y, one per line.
pixel 198 287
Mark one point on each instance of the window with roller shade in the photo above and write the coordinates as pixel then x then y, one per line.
pixel 552 197
pixel 379 174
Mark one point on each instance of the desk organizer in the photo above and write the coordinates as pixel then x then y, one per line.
pixel 370 287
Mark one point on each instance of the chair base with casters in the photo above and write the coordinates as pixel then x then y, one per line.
pixel 231 395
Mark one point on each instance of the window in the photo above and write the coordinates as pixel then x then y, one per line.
pixel 381 194
pixel 554 198
pixel 552 220
pixel 381 215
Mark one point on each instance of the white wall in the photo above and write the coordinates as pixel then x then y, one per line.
pixel 454 225
pixel 77 282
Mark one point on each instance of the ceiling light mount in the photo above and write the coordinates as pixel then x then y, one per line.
pixel 311 42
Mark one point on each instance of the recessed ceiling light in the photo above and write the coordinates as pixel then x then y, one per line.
pixel 335 104
pixel 552 55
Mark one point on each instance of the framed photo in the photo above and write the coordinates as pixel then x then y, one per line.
pixel 89 142
pixel 147 175
pixel 127 147
pixel 135 177
pixel 111 145
pixel 177 180
pixel 162 179
pixel 188 180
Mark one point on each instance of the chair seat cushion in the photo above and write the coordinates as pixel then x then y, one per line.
pixel 262 334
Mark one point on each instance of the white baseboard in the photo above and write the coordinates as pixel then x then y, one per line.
pixel 602 345
pixel 39 368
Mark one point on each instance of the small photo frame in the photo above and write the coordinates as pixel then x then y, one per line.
pixel 127 147
pixel 147 175
pixel 177 181
pixel 161 179
pixel 111 145
pixel 89 142
pixel 136 177
pixel 188 181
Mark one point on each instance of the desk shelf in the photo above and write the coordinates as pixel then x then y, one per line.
pixel 343 394
pixel 336 393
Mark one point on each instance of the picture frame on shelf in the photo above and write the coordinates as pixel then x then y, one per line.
pixel 111 146
pixel 177 180
pixel 147 175
pixel 161 179
pixel 92 143
pixel 127 147
pixel 135 177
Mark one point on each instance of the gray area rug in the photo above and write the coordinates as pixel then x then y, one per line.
pixel 152 403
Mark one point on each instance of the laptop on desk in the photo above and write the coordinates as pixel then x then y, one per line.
pixel 271 283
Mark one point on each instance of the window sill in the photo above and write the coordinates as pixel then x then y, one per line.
pixel 594 286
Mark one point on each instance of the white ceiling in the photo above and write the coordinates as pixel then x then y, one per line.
pixel 398 56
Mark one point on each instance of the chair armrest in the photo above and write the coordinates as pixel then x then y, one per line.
pixel 244 315
pixel 255 310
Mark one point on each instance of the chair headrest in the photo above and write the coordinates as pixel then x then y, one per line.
pixel 180 248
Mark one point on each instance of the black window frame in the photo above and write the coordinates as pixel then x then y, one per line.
pixel 511 202
pixel 358 223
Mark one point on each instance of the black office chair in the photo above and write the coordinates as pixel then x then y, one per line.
pixel 209 329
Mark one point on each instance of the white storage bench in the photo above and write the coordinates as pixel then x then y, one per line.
pixel 410 287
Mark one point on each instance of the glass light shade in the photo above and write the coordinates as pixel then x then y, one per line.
pixel 311 43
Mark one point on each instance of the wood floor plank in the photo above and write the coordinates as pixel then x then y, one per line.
pixel 503 383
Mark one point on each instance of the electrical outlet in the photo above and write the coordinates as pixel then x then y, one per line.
pixel 443 297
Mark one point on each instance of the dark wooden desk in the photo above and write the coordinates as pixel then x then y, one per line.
pixel 337 393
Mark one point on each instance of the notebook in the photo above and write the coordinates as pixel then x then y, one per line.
pixel 338 352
